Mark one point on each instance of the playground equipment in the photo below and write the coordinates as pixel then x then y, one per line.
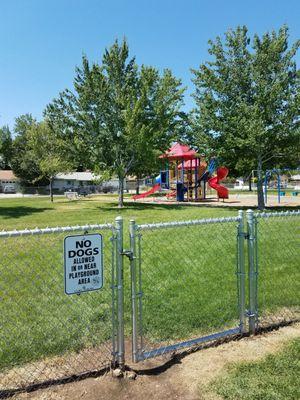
pixel 154 189
pixel 214 182
pixel 280 185
pixel 184 176
pixel 183 173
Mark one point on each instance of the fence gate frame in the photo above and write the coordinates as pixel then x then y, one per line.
pixel 247 271
pixel 134 254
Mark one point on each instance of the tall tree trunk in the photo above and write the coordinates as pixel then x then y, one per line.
pixel 121 191
pixel 250 182
pixel 260 193
pixel 137 186
pixel 51 189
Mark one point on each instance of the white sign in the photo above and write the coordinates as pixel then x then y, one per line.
pixel 83 263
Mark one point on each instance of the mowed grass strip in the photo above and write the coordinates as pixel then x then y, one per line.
pixel 20 213
pixel 189 280
pixel 275 377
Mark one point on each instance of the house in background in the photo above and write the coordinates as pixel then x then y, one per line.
pixel 295 181
pixel 85 181
pixel 239 184
pixel 273 182
pixel 131 183
pixel 8 182
pixel 242 184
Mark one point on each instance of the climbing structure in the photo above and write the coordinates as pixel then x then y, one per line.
pixel 184 175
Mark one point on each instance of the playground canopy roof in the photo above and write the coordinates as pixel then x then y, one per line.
pixel 180 152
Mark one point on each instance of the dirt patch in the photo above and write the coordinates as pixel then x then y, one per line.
pixel 186 380
pixel 55 368
pixel 235 199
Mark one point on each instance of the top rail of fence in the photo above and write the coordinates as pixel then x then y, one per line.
pixel 278 214
pixel 206 221
pixel 59 229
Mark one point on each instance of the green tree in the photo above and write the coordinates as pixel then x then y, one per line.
pixel 118 113
pixel 248 101
pixel 6 148
pixel 48 152
pixel 24 167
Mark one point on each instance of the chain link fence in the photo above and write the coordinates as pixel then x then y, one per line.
pixel 46 334
pixel 277 258
pixel 189 282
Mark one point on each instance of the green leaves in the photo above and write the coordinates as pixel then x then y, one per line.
pixel 5 147
pixel 119 115
pixel 248 98
pixel 38 153
pixel 23 165
pixel 48 151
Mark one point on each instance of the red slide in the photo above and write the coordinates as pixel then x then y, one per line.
pixel 222 172
pixel 154 189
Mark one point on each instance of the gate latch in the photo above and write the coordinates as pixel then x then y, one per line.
pixel 127 253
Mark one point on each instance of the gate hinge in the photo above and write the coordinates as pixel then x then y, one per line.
pixel 127 253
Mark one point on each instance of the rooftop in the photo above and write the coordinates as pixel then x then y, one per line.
pixel 77 176
pixel 180 152
pixel 7 175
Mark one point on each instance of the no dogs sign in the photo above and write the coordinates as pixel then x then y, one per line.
pixel 83 263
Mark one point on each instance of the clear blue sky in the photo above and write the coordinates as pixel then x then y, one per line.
pixel 41 41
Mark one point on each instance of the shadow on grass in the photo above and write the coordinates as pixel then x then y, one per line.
pixel 283 208
pixel 140 206
pixel 172 206
pixel 20 211
pixel 254 208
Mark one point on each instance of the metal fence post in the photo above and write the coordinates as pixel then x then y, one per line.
pixel 241 271
pixel 252 271
pixel 114 286
pixel 132 232
pixel 120 297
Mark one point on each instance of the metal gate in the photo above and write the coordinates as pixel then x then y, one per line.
pixel 187 284
pixel 202 280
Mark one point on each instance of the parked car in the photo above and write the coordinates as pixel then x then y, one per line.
pixel 9 189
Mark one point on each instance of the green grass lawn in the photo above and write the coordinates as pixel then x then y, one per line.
pixel 274 378
pixel 38 318
pixel 23 213
pixel 189 278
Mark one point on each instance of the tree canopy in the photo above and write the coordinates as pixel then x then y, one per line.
pixel 118 114
pixel 23 165
pixel 48 152
pixel 248 101
pixel 6 147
